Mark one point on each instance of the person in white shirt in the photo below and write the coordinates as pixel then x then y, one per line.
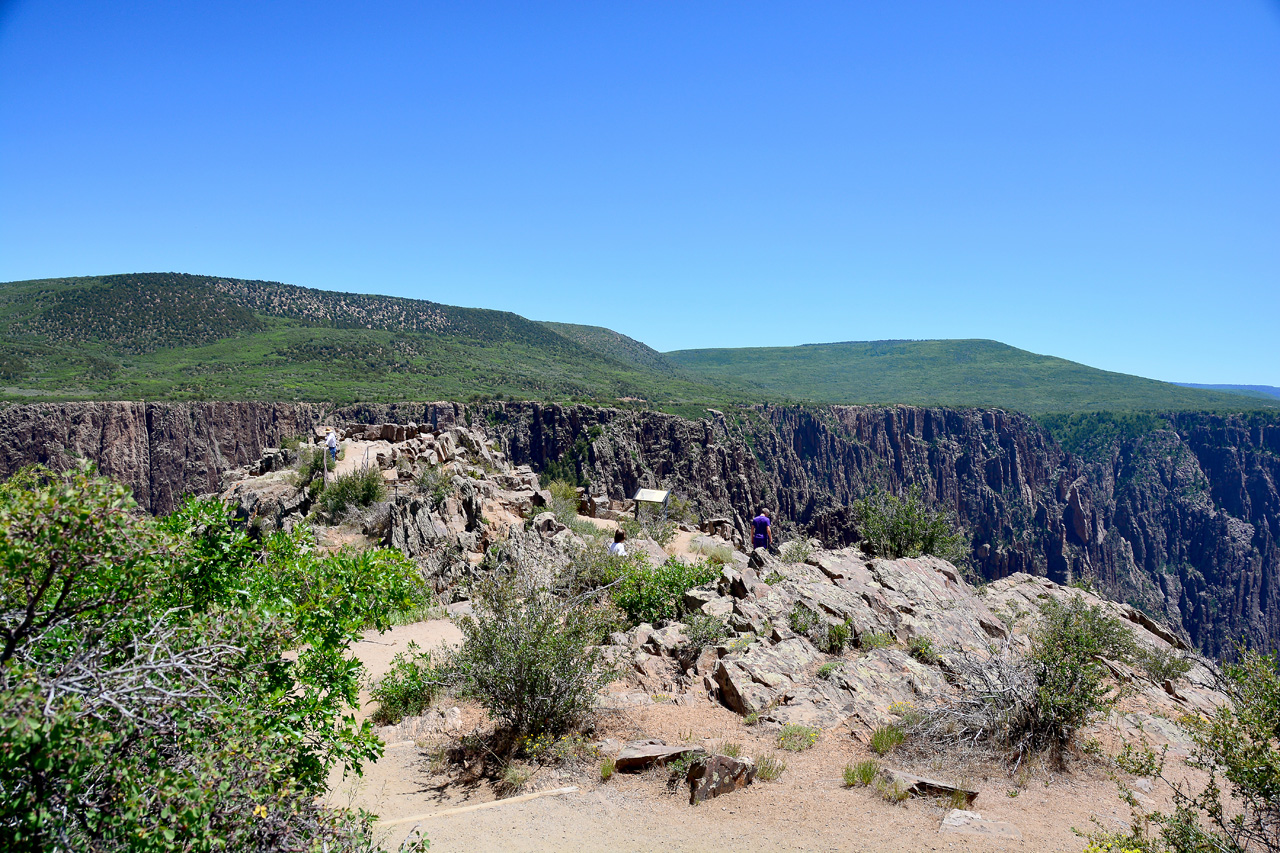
pixel 331 442
pixel 617 549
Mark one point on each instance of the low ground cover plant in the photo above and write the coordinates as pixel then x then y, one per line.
pixel 797 738
pixel 861 774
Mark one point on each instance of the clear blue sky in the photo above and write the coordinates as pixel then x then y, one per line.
pixel 1094 180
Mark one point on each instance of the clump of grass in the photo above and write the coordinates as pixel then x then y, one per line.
pixel 921 648
pixel 769 768
pixel 513 778
pixel 861 774
pixel 752 719
pixel 891 792
pixel 797 738
pixel 885 738
pixel 958 799
pixel 732 750
pixel 607 767
pixel 828 669
pixel 877 640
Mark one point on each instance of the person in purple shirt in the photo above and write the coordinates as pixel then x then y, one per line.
pixel 763 535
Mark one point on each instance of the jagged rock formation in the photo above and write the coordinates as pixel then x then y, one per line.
pixel 1183 520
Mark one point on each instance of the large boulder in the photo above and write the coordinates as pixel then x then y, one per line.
pixel 718 774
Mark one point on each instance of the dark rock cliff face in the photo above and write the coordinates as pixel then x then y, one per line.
pixel 160 450
pixel 1183 520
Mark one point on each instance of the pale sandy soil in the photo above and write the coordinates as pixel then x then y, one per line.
pixel 806 809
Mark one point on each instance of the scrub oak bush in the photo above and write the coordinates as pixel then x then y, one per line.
pixel 360 488
pixel 905 527
pixel 408 688
pixel 145 699
pixel 649 593
pixel 530 656
pixel 1022 705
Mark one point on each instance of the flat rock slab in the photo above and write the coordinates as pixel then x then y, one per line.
pixel 924 787
pixel 639 755
pixel 719 774
pixel 972 823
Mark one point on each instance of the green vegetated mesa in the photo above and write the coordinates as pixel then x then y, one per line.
pixel 176 336
pixel 948 373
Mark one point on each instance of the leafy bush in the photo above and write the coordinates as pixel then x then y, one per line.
pixel 1161 665
pixel 530 657
pixel 651 593
pixel 802 620
pixel 837 637
pixel 564 501
pixel 360 488
pixel 408 688
pixel 132 726
pixel 887 737
pixel 797 738
pixel 1024 705
pixel 905 527
pixel 436 484
pixel 828 669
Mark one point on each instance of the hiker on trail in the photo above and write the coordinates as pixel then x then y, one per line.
pixel 763 536
pixel 617 549
pixel 331 442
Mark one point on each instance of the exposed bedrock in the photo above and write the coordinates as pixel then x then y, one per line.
pixel 1182 521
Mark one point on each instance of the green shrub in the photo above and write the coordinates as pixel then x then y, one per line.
pixel 564 501
pixel 905 527
pixel 651 593
pixel 435 484
pixel 607 767
pixel 166 730
pixel 921 648
pixel 836 637
pixel 828 669
pixel 769 768
pixel 529 656
pixel 875 640
pixel 704 630
pixel 886 738
pixel 408 688
pixel 797 738
pixel 796 551
pixel 1161 665
pixel 360 488
pixel 861 774
pixel 803 621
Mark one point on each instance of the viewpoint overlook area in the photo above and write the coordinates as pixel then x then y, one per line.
pixel 1151 506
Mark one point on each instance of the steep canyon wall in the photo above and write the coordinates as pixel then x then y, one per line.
pixel 1182 520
